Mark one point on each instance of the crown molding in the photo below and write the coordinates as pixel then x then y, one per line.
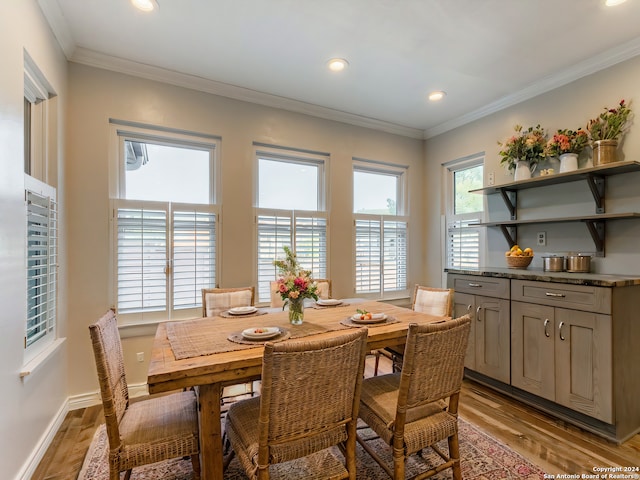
pixel 59 27
pixel 108 62
pixel 58 24
pixel 579 70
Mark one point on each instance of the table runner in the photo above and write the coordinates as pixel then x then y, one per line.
pixel 204 336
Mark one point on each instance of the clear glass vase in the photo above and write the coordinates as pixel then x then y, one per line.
pixel 296 311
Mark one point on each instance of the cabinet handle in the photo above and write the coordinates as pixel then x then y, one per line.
pixel 560 329
pixel 546 323
pixel 551 294
pixel 469 307
pixel 474 285
pixel 478 313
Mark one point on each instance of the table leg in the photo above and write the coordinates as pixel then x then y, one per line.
pixel 210 432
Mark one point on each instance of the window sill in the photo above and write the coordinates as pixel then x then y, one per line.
pixel 34 364
pixel 139 329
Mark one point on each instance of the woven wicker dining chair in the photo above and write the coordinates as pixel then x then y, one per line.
pixel 435 301
pixel 418 407
pixel 214 302
pixel 217 300
pixel 146 431
pixel 324 288
pixel 309 402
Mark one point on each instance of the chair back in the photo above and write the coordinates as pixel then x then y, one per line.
pixel 435 301
pixel 310 395
pixel 107 350
pixel 217 300
pixel 433 364
pixel 275 298
pixel 324 288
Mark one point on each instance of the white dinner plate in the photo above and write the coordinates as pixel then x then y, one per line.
pixel 375 318
pixel 261 333
pixel 328 301
pixel 242 310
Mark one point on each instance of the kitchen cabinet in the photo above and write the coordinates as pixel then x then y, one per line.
pixel 562 355
pixel 487 300
pixel 573 349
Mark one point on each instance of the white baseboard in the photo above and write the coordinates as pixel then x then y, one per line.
pixel 74 402
pixel 85 400
pixel 29 467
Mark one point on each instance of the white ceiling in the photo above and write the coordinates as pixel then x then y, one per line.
pixel 486 54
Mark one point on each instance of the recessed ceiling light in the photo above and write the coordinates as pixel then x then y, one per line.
pixel 145 5
pixel 435 96
pixel 337 64
pixel 613 3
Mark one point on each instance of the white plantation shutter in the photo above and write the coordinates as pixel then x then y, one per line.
pixel 145 236
pixel 274 232
pixel 305 234
pixel 141 259
pixel 463 244
pixel 394 256
pixel 311 244
pixel 368 261
pixel 381 255
pixel 42 245
pixel 194 255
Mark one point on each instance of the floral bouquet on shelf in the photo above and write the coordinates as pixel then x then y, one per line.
pixel 525 145
pixel 294 285
pixel 566 141
pixel 611 124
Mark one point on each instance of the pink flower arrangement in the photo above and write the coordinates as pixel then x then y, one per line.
pixel 294 283
pixel 524 145
pixel 566 141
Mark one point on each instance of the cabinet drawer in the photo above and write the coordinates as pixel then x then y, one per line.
pixel 476 285
pixel 577 297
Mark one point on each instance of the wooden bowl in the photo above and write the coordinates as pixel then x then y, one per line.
pixel 519 262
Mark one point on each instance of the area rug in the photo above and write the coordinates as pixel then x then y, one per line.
pixel 483 458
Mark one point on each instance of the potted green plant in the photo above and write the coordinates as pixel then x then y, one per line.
pixel 606 130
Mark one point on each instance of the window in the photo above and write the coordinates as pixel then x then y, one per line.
pixel 463 242
pixel 41 213
pixel 37 93
pixel 297 219
pixel 165 223
pixel 42 273
pixel 379 199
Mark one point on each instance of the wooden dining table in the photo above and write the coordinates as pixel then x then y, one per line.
pixel 210 353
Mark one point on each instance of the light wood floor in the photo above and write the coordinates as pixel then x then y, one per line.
pixel 556 447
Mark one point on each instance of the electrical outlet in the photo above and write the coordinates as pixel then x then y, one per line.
pixel 542 238
pixel 140 356
pixel 492 178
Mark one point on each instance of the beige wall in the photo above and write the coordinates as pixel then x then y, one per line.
pixel 97 95
pixel 568 107
pixel 28 408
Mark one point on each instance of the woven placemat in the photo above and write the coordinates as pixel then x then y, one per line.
pixel 238 338
pixel 257 313
pixel 347 322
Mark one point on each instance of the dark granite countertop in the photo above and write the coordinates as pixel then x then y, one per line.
pixel 591 279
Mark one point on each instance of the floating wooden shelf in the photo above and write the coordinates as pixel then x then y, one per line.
pixel 595 178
